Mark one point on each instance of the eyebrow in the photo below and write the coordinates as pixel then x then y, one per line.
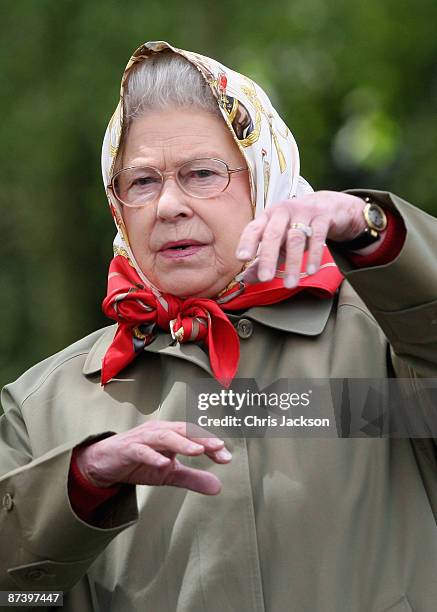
pixel 181 160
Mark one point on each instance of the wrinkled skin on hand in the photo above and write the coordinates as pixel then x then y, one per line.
pixel 330 214
pixel 147 455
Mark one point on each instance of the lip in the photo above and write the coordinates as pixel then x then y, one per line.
pixel 180 243
pixel 170 250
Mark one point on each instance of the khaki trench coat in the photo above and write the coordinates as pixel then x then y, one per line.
pixel 301 524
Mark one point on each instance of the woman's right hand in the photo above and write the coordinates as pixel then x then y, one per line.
pixel 147 455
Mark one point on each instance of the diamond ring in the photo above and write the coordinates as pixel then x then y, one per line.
pixel 306 229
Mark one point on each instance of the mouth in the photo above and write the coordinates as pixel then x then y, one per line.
pixel 181 248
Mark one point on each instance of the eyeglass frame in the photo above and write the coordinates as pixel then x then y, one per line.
pixel 164 175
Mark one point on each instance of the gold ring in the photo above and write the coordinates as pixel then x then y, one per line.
pixel 306 229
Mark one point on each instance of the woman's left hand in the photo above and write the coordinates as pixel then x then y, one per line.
pixel 330 214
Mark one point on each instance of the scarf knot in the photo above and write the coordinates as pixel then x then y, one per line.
pixel 138 310
pixel 191 321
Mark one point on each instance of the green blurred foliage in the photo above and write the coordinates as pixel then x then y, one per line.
pixel 355 81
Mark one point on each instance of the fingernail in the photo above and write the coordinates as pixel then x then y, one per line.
pixel 290 281
pixel 224 455
pixel 163 460
pixel 243 254
pixel 311 269
pixel 264 274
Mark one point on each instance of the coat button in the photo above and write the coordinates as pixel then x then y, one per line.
pixel 7 502
pixel 244 328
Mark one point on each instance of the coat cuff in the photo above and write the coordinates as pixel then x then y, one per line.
pixel 389 248
pixel 45 528
pixel 410 279
pixel 86 498
pixel 402 294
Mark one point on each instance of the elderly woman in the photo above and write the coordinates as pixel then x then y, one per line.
pixel 221 271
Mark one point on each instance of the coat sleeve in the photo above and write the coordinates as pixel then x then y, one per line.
pixel 43 543
pixel 402 296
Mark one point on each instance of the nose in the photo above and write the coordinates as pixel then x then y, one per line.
pixel 172 202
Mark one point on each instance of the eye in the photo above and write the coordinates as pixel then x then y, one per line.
pixel 202 173
pixel 143 181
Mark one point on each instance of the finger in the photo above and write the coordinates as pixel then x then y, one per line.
pixel 191 431
pixel 295 247
pixel 168 454
pixel 250 275
pixel 202 436
pixel 169 440
pixel 271 241
pixel 193 479
pixel 220 456
pixel 147 456
pixel 250 238
pixel 316 244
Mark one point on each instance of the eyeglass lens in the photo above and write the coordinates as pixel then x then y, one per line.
pixel 202 178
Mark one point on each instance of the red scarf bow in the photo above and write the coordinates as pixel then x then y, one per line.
pixel 138 310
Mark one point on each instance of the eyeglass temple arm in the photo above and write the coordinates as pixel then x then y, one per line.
pixel 237 170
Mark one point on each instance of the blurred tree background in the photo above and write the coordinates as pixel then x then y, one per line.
pixel 355 81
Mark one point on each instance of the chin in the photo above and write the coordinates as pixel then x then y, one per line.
pixel 185 285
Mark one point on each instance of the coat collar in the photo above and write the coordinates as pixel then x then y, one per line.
pixel 303 314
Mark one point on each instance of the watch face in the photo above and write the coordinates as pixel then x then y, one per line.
pixel 376 217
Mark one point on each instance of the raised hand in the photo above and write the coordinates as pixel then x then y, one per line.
pixel 286 229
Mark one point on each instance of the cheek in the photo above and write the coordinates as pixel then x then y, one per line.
pixel 138 226
pixel 239 214
pixel 228 233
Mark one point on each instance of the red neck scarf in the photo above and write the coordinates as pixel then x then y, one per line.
pixel 138 310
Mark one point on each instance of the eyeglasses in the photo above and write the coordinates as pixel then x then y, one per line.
pixel 199 178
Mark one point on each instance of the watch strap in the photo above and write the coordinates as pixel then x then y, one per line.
pixel 367 237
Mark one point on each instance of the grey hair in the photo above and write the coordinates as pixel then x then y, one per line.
pixel 165 81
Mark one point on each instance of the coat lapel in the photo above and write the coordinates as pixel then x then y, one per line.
pixel 303 314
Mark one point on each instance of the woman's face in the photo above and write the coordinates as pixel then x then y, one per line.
pixel 212 227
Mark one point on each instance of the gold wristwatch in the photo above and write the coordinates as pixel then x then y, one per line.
pixel 376 220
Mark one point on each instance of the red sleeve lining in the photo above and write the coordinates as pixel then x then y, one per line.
pixel 86 498
pixel 389 248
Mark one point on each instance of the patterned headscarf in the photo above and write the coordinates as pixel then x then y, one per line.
pixel 272 158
